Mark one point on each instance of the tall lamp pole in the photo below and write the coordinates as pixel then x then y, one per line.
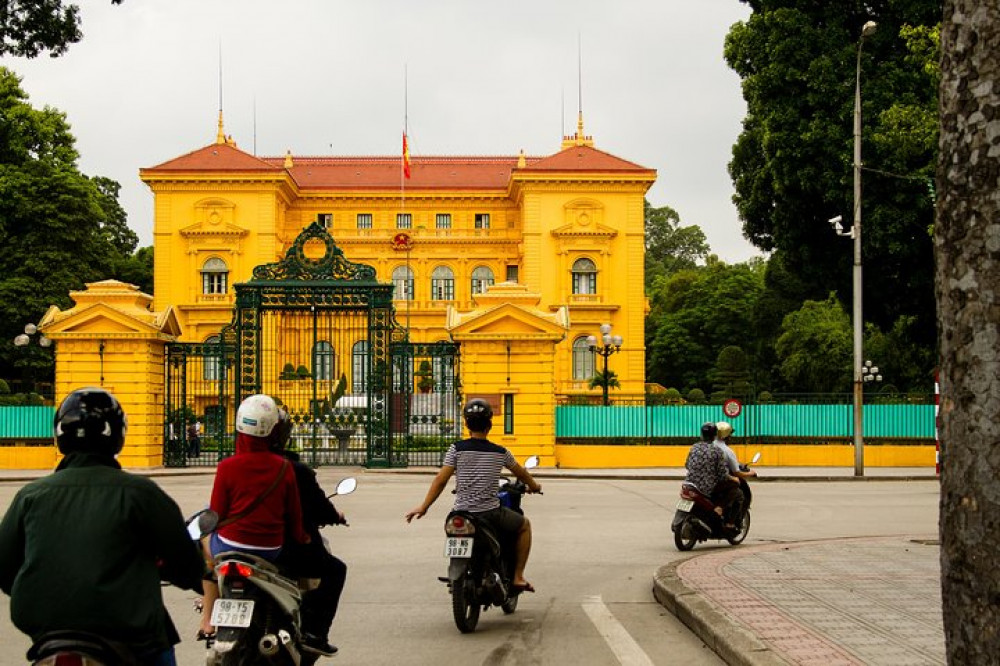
pixel 859 442
pixel 610 344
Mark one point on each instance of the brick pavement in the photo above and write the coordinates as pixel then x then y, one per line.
pixel 870 601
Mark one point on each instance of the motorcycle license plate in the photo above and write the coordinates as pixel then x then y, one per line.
pixel 458 547
pixel 232 613
pixel 685 505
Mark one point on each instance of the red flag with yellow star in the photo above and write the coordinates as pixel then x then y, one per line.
pixel 406 157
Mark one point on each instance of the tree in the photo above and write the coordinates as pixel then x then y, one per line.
pixel 814 348
pixel 731 375
pixel 792 165
pixel 31 27
pixel 669 246
pixel 968 277
pixel 55 229
pixel 694 313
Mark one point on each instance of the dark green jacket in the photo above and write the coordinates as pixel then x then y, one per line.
pixel 79 550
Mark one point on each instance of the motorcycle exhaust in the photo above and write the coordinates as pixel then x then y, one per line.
pixel 495 587
pixel 700 527
pixel 268 645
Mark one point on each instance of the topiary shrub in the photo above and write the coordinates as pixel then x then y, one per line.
pixel 696 396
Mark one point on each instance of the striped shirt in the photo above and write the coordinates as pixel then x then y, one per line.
pixel 478 464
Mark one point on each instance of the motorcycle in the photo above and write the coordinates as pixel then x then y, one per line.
pixel 257 616
pixel 696 520
pixel 481 568
pixel 58 648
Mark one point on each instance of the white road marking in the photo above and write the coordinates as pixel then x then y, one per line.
pixel 624 647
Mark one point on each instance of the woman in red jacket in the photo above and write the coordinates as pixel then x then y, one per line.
pixel 255 495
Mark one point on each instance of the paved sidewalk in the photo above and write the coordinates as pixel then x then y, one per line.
pixel 865 601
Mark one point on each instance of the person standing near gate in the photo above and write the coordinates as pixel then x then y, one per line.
pixel 194 439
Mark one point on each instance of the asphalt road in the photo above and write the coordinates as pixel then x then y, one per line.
pixel 597 544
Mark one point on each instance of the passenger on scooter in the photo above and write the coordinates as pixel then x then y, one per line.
pixel 255 495
pixel 477 463
pixel 708 473
pixel 735 508
pixel 312 560
pixel 84 549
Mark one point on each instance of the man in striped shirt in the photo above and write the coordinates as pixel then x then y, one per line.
pixel 477 464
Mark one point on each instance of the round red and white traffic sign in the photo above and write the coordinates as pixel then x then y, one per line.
pixel 732 408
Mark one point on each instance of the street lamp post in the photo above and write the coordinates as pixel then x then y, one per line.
pixel 24 339
pixel 859 441
pixel 610 344
pixel 855 234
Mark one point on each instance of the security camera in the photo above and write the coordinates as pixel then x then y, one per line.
pixel 835 222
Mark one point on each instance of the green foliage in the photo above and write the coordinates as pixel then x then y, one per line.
pixel 731 375
pixel 669 246
pixel 765 397
pixel 425 383
pixel 302 372
pixel 814 348
pixel 4 387
pixel 288 373
pixel 694 314
pixel 673 396
pixel 58 228
pixel 339 391
pixel 792 164
pixel 599 380
pixel 696 396
pixel 29 28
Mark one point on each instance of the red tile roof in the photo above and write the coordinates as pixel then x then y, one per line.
pixel 380 173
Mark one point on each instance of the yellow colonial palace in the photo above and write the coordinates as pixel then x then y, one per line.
pixel 563 233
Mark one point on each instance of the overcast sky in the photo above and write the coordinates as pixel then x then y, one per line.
pixel 326 77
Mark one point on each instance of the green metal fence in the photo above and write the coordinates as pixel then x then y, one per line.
pixel 672 424
pixel 24 423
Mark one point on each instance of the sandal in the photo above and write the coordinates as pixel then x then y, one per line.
pixel 527 587
pixel 208 636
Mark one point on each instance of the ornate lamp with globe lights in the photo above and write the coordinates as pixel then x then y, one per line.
pixel 609 344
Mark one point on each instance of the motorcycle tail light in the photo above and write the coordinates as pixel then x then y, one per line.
pixel 68 659
pixel 236 569
pixel 459 525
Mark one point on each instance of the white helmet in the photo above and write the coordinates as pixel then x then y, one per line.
pixel 257 416
pixel 725 430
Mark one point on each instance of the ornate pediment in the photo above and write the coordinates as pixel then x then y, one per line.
pixel 314 256
pixel 584 217
pixel 214 217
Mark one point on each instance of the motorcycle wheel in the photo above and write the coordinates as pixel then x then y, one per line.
pixel 510 604
pixel 684 537
pixel 744 530
pixel 464 605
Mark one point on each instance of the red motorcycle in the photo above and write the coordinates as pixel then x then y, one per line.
pixel 696 519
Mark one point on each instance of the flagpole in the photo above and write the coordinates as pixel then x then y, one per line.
pixel 402 203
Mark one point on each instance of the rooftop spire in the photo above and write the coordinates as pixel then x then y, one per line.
pixel 220 137
pixel 578 139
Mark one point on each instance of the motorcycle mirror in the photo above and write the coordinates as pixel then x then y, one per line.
pixel 346 486
pixel 755 458
pixel 202 523
pixel 531 462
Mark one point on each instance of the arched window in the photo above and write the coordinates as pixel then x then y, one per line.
pixel 359 367
pixel 322 360
pixel 482 278
pixel 212 359
pixel 214 275
pixel 442 284
pixel 402 280
pixel 584 277
pixel 583 360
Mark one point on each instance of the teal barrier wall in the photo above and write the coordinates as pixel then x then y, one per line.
pixel 782 421
pixel 26 422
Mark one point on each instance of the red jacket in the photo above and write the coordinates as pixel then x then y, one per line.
pixel 240 479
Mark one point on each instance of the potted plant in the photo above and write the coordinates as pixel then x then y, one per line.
pixel 446 425
pixel 343 422
pixel 425 383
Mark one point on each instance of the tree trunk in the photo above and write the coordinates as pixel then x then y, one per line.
pixel 967 246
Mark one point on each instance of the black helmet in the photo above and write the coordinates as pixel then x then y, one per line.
pixel 478 415
pixel 90 420
pixel 282 430
pixel 708 431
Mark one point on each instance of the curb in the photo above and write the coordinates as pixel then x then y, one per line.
pixel 733 643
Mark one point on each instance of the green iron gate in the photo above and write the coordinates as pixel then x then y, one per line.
pixel 318 333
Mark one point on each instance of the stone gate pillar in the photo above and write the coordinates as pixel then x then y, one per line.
pixel 111 339
pixel 508 357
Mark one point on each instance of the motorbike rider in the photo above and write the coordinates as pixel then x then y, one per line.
pixel 85 548
pixel 477 463
pixel 708 473
pixel 735 508
pixel 312 560
pixel 255 495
